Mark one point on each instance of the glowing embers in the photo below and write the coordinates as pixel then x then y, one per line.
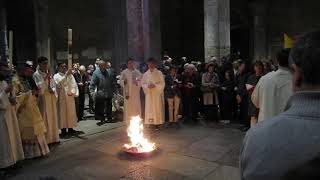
pixel 139 144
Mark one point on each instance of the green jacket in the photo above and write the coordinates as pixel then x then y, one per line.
pixel 103 84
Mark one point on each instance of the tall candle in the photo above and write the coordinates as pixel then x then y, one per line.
pixel 11 48
pixel 70 48
pixel 49 51
pixel 70 36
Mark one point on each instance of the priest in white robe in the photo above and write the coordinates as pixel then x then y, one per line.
pixel 153 86
pixel 11 149
pixel 67 90
pixel 47 100
pixel 130 82
pixel 273 91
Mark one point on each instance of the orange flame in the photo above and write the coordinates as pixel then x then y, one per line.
pixel 138 141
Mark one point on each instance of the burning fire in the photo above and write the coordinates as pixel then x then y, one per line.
pixel 139 144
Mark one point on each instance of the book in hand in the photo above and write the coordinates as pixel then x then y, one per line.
pixel 249 87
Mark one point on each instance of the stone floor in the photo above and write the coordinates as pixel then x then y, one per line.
pixel 192 152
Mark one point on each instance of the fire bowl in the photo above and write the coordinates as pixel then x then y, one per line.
pixel 134 152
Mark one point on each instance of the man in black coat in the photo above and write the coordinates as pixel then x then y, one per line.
pixel 242 94
pixel 82 81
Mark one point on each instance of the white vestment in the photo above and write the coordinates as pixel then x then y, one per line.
pixel 11 149
pixel 272 93
pixel 154 97
pixel 47 105
pixel 67 90
pixel 132 106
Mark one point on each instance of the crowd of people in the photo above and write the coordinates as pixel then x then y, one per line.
pixel 38 107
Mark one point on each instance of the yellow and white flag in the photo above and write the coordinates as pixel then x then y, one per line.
pixel 288 41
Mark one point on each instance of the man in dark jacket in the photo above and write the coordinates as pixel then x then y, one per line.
pixel 242 94
pixel 102 87
pixel 288 146
pixel 82 81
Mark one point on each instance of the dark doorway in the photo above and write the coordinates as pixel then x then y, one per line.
pixel 182 28
pixel 20 20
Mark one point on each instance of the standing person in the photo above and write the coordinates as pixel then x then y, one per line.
pixel 32 125
pixel 67 90
pixel 82 81
pixel 173 95
pixel 130 82
pixel 75 68
pixel 47 99
pixel 153 85
pixel 242 95
pixel 287 146
pixel 102 86
pixel 91 101
pixel 190 84
pixel 228 97
pixel 274 89
pixel 97 64
pixel 11 149
pixel 210 83
pixel 250 85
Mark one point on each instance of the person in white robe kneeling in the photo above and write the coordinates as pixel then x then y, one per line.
pixel 11 149
pixel 67 90
pixel 153 86
pixel 47 100
pixel 130 82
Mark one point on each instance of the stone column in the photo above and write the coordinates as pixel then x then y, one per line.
pixel 143 28
pixel 224 27
pixel 211 29
pixel 151 29
pixel 3 34
pixel 120 40
pixel 259 34
pixel 216 28
pixel 41 10
pixel 260 38
pixel 135 29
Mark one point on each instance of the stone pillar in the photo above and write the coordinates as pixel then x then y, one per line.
pixel 260 38
pixel 259 34
pixel 151 29
pixel 216 28
pixel 41 10
pixel 135 29
pixel 120 40
pixel 143 28
pixel 3 34
pixel 224 27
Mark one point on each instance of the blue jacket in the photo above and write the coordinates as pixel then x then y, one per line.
pixel 286 145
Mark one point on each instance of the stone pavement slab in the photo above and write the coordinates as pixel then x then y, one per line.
pixel 192 152
pixel 224 173
pixel 184 165
pixel 151 173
